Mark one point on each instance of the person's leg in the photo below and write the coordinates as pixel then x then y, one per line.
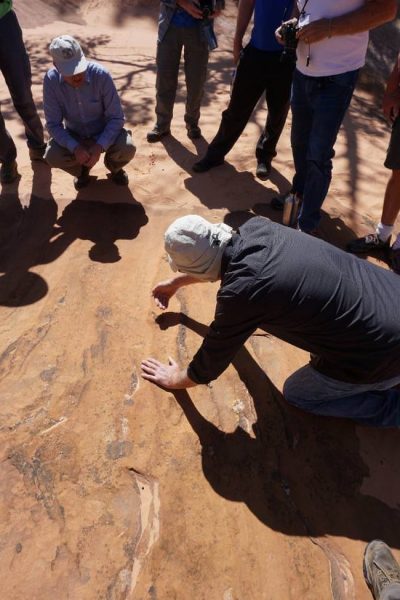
pixel 380 239
pixel 195 63
pixel 316 393
pixel 330 98
pixel 8 151
pixel 15 66
pixel 248 86
pixel 168 58
pixel 302 116
pixel 121 152
pixel 277 95
pixel 61 158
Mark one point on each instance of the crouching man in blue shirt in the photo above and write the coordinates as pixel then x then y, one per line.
pixel 84 116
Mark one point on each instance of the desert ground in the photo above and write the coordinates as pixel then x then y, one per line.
pixel 111 488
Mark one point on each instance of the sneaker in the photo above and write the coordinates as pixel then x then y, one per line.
pixel 194 132
pixel 395 260
pixel 120 177
pixel 9 172
pixel 368 243
pixel 157 134
pixel 278 202
pixel 82 180
pixel 380 567
pixel 36 154
pixel 263 170
pixel 205 164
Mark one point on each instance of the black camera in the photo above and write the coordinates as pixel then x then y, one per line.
pixel 207 7
pixel 289 35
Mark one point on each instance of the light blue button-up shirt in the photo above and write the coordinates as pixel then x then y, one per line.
pixel 91 111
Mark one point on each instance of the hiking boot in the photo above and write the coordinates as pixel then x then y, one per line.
pixel 205 164
pixel 193 132
pixel 156 134
pixel 278 202
pixel 120 177
pixel 36 154
pixel 9 172
pixel 380 567
pixel 263 170
pixel 368 243
pixel 82 180
pixel 395 260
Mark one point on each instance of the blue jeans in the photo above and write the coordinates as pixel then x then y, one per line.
pixel 318 107
pixel 375 404
pixel 15 67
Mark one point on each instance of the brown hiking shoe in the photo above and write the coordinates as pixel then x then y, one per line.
pixel 380 567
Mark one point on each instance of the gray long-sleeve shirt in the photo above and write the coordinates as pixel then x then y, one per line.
pixel 343 310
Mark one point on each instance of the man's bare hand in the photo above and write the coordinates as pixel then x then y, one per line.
pixel 163 292
pixel 94 155
pixel 315 32
pixel 190 8
pixel 81 155
pixel 391 105
pixel 168 376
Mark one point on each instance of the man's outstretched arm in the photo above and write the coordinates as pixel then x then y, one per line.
pixel 372 14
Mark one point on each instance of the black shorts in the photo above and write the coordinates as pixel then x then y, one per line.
pixel 393 154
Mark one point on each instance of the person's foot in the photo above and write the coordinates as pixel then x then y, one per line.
pixel 278 202
pixel 36 154
pixel 395 260
pixel 263 170
pixel 157 134
pixel 368 243
pixel 9 172
pixel 82 180
pixel 205 164
pixel 120 177
pixel 193 132
pixel 380 567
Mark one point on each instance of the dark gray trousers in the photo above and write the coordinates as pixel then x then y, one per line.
pixel 195 54
pixel 15 67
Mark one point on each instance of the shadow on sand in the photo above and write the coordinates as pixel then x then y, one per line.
pixel 31 234
pixel 298 474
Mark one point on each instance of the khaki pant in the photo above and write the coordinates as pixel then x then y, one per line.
pixel 117 156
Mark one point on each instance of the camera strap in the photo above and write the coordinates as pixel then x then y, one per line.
pixel 303 10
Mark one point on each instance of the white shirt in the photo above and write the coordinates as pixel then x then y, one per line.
pixel 335 55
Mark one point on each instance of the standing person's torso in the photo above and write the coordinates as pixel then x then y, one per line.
pixel 268 16
pixel 335 55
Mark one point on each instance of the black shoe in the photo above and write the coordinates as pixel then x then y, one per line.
pixel 395 260
pixel 380 567
pixel 263 170
pixel 194 132
pixel 278 202
pixel 83 180
pixel 9 172
pixel 36 154
pixel 120 177
pixel 205 164
pixel 367 244
pixel 156 134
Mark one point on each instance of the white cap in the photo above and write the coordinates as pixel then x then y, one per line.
pixel 195 246
pixel 67 55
